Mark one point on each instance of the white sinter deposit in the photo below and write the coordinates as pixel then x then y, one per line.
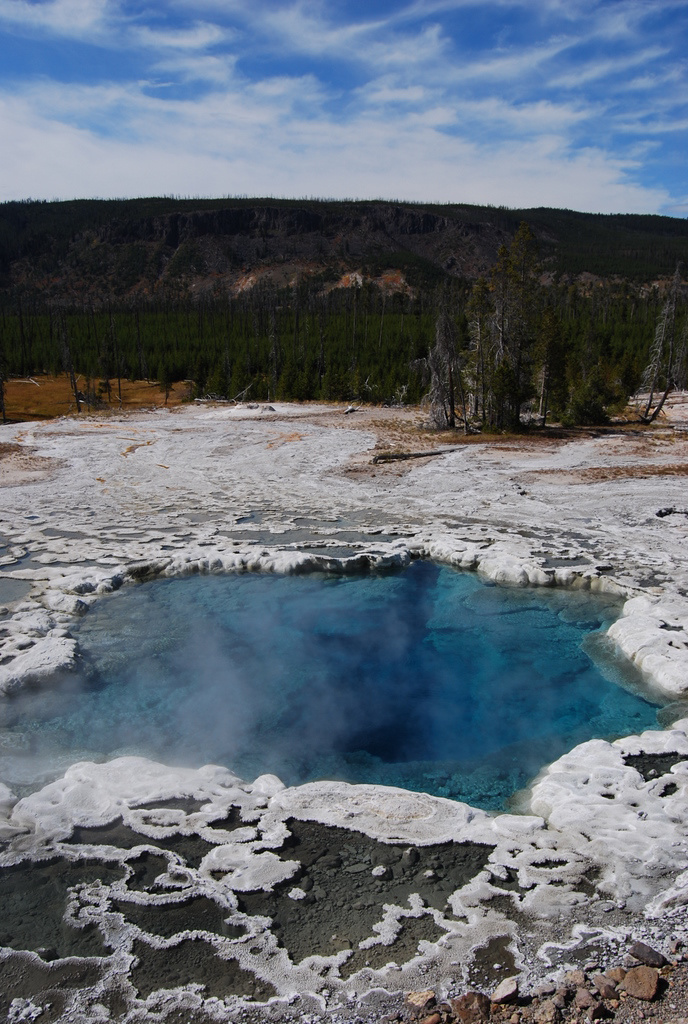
pixel 599 852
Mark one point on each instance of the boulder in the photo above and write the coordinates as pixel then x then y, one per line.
pixel 471 1007
pixel 647 955
pixel 544 990
pixel 547 1012
pixel 584 999
pixel 605 986
pixel 641 983
pixel 506 991
pixel 410 857
pixel 420 1001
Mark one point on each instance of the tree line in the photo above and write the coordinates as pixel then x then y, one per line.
pixel 521 351
pixel 483 356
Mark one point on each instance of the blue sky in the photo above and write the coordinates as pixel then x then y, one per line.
pixel 569 103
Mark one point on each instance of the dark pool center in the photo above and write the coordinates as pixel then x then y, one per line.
pixel 426 678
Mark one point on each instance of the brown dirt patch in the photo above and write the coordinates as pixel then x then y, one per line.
pixel 284 439
pixel 44 396
pixel 21 466
pixel 404 431
pixel 600 474
pixel 7 450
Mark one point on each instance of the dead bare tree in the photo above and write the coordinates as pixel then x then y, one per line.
pixel 667 355
pixel 67 358
pixel 3 376
pixel 114 348
pixel 446 376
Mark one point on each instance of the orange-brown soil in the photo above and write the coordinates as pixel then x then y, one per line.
pixel 44 396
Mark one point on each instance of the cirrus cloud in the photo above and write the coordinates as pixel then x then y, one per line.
pixel 502 102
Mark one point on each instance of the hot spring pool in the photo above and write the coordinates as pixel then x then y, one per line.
pixel 427 678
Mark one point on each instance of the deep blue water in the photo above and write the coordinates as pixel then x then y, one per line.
pixel 427 678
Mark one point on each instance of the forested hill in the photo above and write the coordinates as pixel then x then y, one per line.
pixel 497 315
pixel 99 250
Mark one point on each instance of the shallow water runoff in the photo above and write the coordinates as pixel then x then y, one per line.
pixel 426 678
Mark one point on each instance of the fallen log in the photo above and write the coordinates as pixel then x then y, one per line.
pixel 402 456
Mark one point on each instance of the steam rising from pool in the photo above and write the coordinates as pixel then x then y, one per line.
pixel 428 679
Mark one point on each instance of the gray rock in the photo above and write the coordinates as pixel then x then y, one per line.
pixel 647 955
pixel 410 857
pixel 382 872
pixel 605 986
pixel 584 999
pixel 506 991
pixel 547 1012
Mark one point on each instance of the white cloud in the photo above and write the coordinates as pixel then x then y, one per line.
pixel 654 126
pixel 679 208
pixel 539 117
pixel 597 69
pixel 384 91
pixel 196 37
pixel 301 28
pixel 510 65
pixel 236 142
pixel 409 105
pixel 656 82
pixel 63 17
pixel 189 67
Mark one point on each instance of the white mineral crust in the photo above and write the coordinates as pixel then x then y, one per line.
pixel 228 489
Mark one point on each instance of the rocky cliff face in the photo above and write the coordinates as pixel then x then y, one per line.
pixel 99 249
pixel 232 247
pixel 375 223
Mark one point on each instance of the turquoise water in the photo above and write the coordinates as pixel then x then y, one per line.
pixel 426 678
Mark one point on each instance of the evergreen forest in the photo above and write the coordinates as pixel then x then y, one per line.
pixel 491 332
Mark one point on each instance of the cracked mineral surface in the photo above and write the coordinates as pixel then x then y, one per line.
pixel 132 890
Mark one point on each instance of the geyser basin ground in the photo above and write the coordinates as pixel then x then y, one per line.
pixel 598 855
pixel 424 678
